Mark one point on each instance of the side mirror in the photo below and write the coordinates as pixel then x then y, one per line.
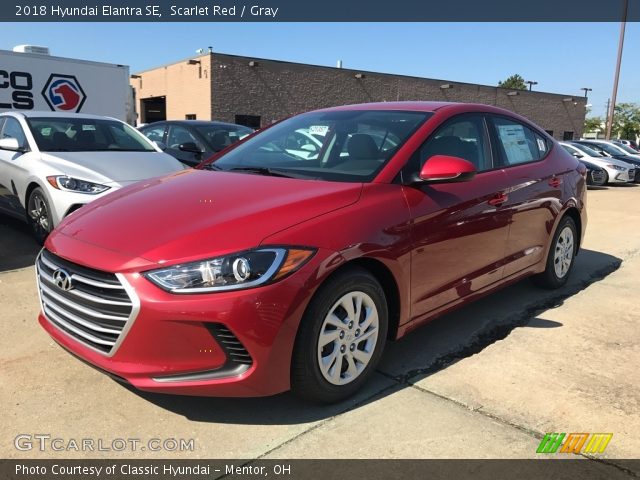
pixel 446 169
pixel 577 155
pixel 10 143
pixel 161 145
pixel 189 147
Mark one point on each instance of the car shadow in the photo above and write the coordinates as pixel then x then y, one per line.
pixel 425 351
pixel 18 248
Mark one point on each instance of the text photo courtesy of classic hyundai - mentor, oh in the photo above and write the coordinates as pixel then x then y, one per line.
pixel 263 271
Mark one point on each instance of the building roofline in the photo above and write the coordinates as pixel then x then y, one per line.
pixel 575 97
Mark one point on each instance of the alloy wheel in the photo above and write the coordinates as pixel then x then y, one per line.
pixel 563 255
pixel 348 338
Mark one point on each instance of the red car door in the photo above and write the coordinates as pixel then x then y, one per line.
pixel 534 196
pixel 459 230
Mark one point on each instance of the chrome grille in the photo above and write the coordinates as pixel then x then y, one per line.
pixel 597 176
pixel 95 309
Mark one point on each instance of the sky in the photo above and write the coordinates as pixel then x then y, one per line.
pixel 561 57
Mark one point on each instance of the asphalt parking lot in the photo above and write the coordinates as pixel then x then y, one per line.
pixel 484 382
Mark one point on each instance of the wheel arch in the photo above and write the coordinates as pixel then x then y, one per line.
pixel 574 213
pixel 385 277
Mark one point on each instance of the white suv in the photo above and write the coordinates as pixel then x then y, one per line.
pixel 51 164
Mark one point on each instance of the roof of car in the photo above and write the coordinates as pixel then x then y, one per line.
pixel 43 113
pixel 197 122
pixel 417 106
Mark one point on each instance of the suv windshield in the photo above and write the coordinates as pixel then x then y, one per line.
pixel 56 134
pixel 347 146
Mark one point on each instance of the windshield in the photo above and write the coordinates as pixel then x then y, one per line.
pixel 219 137
pixel 347 146
pixel 56 134
pixel 610 149
pixel 588 150
pixel 627 149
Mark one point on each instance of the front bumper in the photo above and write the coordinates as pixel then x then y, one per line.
pixel 221 344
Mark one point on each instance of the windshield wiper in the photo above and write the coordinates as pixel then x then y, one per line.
pixel 211 166
pixel 261 171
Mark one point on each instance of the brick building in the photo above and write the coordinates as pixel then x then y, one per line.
pixel 256 92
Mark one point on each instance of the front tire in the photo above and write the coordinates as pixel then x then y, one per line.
pixel 39 215
pixel 561 256
pixel 341 337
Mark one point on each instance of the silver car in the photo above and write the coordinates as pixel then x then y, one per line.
pixel 53 163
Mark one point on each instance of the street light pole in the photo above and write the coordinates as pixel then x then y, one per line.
pixel 531 83
pixel 586 91
pixel 612 107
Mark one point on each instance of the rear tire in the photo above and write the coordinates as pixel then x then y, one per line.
pixel 561 256
pixel 341 337
pixel 39 215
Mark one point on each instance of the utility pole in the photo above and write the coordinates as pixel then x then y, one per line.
pixel 611 109
pixel 606 120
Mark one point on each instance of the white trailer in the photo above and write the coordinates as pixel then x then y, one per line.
pixel 38 81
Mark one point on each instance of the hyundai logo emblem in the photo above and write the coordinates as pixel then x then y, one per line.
pixel 62 279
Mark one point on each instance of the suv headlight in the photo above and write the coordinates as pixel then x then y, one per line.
pixel 231 272
pixel 70 184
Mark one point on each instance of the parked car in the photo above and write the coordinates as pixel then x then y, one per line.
pixel 53 163
pixel 596 176
pixel 628 143
pixel 192 141
pixel 616 171
pixel 614 151
pixel 259 272
pixel 626 148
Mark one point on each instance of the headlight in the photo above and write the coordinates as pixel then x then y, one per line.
pixel 232 272
pixel 616 167
pixel 69 184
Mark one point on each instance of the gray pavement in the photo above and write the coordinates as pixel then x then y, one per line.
pixel 486 381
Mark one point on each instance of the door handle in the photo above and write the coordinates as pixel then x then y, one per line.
pixel 555 182
pixel 498 199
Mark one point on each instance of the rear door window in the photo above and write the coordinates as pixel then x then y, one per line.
pixel 517 143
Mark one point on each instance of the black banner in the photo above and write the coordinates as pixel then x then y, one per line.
pixel 323 11
pixel 539 469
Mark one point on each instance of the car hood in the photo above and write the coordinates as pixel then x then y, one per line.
pixel 112 167
pixel 196 214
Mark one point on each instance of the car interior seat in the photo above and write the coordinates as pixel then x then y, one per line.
pixel 364 154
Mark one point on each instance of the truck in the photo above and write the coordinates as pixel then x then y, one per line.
pixel 39 81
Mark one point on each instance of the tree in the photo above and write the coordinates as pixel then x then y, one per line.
pixel 593 124
pixel 515 82
pixel 626 121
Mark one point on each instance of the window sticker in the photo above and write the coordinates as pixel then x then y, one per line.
pixel 541 145
pixel 319 129
pixel 86 128
pixel 515 143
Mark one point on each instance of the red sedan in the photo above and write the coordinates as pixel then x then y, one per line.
pixel 290 259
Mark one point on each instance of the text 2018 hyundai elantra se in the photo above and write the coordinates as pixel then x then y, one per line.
pixel 265 271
